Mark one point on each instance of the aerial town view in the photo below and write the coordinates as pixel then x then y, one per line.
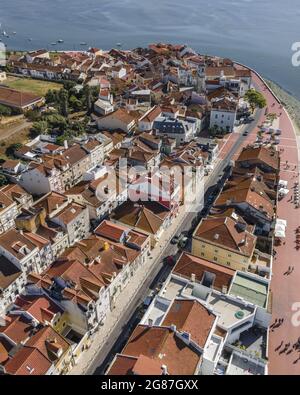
pixel 149 193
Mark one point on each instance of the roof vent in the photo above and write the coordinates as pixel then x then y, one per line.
pixel 216 236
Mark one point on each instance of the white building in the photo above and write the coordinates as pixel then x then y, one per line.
pixel 223 113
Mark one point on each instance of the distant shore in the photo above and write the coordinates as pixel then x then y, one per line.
pixel 291 103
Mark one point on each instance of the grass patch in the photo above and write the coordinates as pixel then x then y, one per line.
pixel 38 87
pixel 19 137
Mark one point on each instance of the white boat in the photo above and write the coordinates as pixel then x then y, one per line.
pixel 83 43
pixel 60 41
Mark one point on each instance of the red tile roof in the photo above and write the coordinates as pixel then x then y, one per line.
pixel 192 317
pixel 28 361
pixel 189 264
pixel 161 344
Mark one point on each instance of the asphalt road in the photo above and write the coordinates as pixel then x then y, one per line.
pixel 160 271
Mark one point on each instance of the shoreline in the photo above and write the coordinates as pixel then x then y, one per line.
pixel 290 101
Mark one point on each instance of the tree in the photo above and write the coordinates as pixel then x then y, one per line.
pixel 88 98
pixel 63 102
pixel 255 99
pixel 39 127
pixel 56 121
pixel 5 111
pixel 68 85
pixel 10 151
pixel 51 96
pixel 272 116
pixel 3 180
pixel 75 103
pixel 33 115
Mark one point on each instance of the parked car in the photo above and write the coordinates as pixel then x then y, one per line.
pixel 170 260
pixel 182 243
pixel 175 239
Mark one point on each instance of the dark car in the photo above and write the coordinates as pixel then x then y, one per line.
pixel 170 260
pixel 175 239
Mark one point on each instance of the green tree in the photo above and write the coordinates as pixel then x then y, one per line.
pixel 4 110
pixel 38 128
pixel 63 102
pixel 68 85
pixel 75 103
pixel 51 96
pixel 33 115
pixel 56 121
pixel 272 116
pixel 88 98
pixel 10 151
pixel 3 180
pixel 255 99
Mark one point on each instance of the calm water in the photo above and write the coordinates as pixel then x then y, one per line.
pixel 257 32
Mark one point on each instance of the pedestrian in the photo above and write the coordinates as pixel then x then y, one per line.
pixel 280 345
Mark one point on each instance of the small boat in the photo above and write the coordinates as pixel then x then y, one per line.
pixel 4 33
pixel 60 41
pixel 14 33
pixel 53 43
pixel 83 43
pixel 119 44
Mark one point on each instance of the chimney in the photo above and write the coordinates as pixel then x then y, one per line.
pixel 66 144
pixel 173 328
pixel 150 321
pixel 193 277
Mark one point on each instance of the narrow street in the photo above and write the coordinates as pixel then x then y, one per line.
pixel 159 272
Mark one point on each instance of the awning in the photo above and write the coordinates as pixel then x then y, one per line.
pixel 279 233
pixel 283 183
pixel 283 191
pixel 279 227
pixel 281 222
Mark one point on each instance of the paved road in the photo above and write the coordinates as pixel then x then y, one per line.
pixel 160 270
